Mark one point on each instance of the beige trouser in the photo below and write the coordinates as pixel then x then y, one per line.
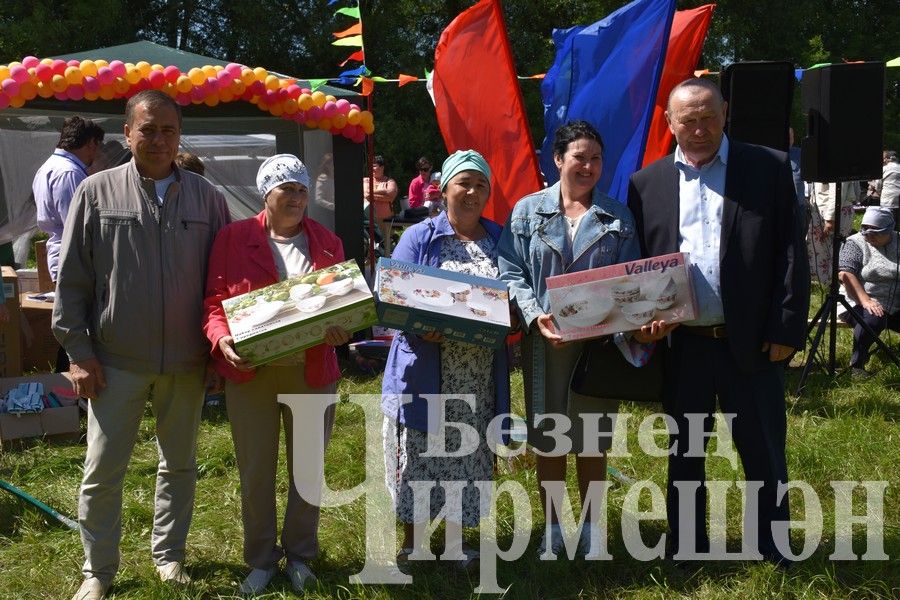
pixel 256 419
pixel 113 421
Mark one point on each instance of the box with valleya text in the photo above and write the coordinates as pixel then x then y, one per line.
pixel 292 315
pixel 421 299
pixel 622 297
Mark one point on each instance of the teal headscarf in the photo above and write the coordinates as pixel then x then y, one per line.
pixel 463 160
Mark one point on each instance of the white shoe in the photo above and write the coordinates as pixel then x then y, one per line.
pixel 173 572
pixel 557 543
pixel 258 580
pixel 91 589
pixel 300 575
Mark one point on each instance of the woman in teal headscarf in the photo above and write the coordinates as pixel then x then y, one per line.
pixel 460 240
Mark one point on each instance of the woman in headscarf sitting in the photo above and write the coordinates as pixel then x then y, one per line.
pixel 870 271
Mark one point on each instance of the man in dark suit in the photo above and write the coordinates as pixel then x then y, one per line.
pixel 732 206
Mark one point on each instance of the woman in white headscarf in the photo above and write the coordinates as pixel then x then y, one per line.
pixel 279 242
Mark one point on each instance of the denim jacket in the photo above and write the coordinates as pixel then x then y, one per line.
pixel 414 365
pixel 534 246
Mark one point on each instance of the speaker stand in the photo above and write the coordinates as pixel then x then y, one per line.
pixel 826 316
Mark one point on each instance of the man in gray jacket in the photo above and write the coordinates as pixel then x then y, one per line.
pixel 128 313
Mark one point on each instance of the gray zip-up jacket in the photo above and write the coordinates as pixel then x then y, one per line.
pixel 132 273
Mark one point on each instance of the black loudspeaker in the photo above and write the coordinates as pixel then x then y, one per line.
pixel 759 96
pixel 844 104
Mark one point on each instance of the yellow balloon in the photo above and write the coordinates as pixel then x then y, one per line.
pixel 169 90
pixel 325 124
pixel 339 121
pixel 196 76
pixel 218 68
pixel 73 75
pixel 260 74
pixel 209 71
pixel 330 98
pixel 353 116
pixel 365 118
pixel 318 99
pixel 88 68
pixel 143 67
pixel 132 74
pixel 4 72
pixel 101 63
pixel 17 102
pixel 107 92
pixel 305 102
pixel 272 83
pixel 157 67
pixel 47 61
pixel 248 76
pixel 58 83
pixel 44 90
pixel 183 84
pixel 368 128
pixel 290 106
pixel 120 85
pixel 238 87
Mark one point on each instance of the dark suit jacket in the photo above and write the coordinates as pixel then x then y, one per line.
pixel 764 272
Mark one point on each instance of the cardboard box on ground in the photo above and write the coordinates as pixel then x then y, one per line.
pixel 57 424
pixel 39 345
pixel 11 331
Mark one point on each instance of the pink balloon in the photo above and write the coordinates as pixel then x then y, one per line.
pixel 105 76
pixel 91 84
pixel 118 68
pixel 300 116
pixel 59 66
pixel 198 94
pixel 328 110
pixel 359 138
pixel 314 114
pixel 4 101
pixel 43 72
pixel 183 98
pixel 343 106
pixel 355 107
pixel 74 63
pixel 270 97
pixel 258 88
pixel 140 86
pixel 172 73
pixel 305 91
pixel 234 70
pixel 30 61
pixel 348 131
pixel 156 79
pixel 10 86
pixel 76 92
pixel 19 73
pixel 293 91
pixel 61 96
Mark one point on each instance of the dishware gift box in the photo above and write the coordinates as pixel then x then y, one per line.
pixel 292 315
pixel 421 299
pixel 622 297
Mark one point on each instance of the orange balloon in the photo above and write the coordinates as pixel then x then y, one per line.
pixel 248 76
pixel 91 96
pixel 318 99
pixel 28 90
pixel 17 102
pixel 330 98
pixel 143 67
pixel 311 123
pixel 196 76
pixel 339 121
pixel 4 72
pixel 290 106
pixel 107 92
pixel 272 83
pixel 325 124
pixel 368 128
pixel 121 85
pixel 226 95
pixel 211 100
pixel 365 118
pixel 208 71
pixel 183 84
pixel 353 116
pixel 132 74
pixel 260 74
pixel 277 109
pixel 45 91
pixel 238 87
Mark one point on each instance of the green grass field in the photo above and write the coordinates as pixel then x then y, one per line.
pixel 838 430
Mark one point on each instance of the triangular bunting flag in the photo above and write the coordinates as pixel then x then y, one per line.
pixel 355 40
pixel 358 55
pixel 350 12
pixel 352 30
pixel 315 84
pixel 404 79
pixel 368 86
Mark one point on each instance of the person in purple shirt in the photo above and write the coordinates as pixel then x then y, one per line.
pixel 55 182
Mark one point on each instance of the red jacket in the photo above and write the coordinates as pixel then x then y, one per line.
pixel 241 261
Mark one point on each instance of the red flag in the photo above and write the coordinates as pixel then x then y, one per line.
pixel 404 79
pixel 685 43
pixel 479 104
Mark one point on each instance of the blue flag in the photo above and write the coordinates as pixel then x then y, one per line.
pixel 608 74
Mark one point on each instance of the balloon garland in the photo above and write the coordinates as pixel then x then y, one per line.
pixel 88 79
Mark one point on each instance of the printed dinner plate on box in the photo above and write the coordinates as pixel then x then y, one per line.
pixel 622 297
pixel 421 299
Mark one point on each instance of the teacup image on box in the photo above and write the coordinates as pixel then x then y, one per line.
pixel 622 297
pixel 421 299
pixel 294 314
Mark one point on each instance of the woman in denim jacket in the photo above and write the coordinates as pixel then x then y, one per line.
pixel 570 226
pixel 457 240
